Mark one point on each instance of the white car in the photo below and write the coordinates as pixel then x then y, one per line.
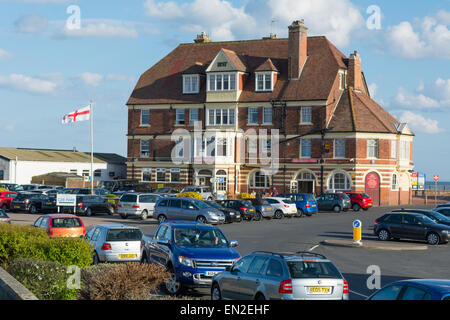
pixel 204 191
pixel 282 207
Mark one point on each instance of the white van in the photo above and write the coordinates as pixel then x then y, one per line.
pixel 137 204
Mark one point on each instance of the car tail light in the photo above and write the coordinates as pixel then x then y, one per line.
pixel 346 290
pixel 244 209
pixel 307 205
pixel 376 222
pixel 119 206
pixel 286 206
pixel 80 204
pixel 50 231
pixel 135 207
pixel 106 247
pixel 286 286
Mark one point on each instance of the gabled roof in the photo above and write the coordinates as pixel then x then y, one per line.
pixel 267 66
pixel 235 60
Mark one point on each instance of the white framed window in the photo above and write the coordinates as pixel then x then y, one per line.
pixel 259 180
pixel 160 174
pixel 145 148
pixel 306 115
pixel 221 117
pixel 340 182
pixel 179 148
pixel 180 117
pixel 98 173
pixel 264 81
pixel 394 149
pixel 253 115
pixel 404 150
pixel 267 115
pixel 222 147
pixel 395 181
pixel 86 174
pixel 191 84
pixel 305 148
pixel 193 116
pixel 74 171
pixel 175 175
pixel 147 174
pixel 145 117
pixel 372 148
pixel 267 147
pixel 222 82
pixel 339 148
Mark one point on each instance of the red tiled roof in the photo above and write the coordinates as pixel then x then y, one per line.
pixel 267 66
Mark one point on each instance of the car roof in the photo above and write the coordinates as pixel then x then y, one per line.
pixel 415 214
pixel 413 211
pixel 295 255
pixel 60 215
pixel 185 224
pixel 114 226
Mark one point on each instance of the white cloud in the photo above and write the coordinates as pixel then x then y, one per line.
pixel 41 84
pixel 373 89
pixel 5 54
pixel 429 38
pixel 100 28
pixel 418 123
pixel 91 79
pixel 34 23
pixel 435 95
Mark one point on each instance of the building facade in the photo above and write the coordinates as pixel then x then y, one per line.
pixel 245 116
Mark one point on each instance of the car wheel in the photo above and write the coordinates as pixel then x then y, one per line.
pixel 356 207
pixel 89 212
pixel 384 235
pixel 95 259
pixel 173 287
pixel 33 210
pixel 257 216
pixel 278 214
pixel 144 215
pixel 337 209
pixel 123 216
pixel 110 211
pixel 215 292
pixel 365 209
pixel 162 218
pixel 4 208
pixel 144 258
pixel 299 213
pixel 433 238
pixel 260 296
pixel 202 219
pixel 210 199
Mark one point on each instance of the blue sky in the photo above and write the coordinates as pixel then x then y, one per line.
pixel 47 70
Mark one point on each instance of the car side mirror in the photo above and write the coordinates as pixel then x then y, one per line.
pixel 234 243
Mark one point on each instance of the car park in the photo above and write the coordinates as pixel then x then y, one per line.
pixel 138 205
pixel 33 203
pixel 433 215
pixel 336 202
pixel 204 191
pixel 360 201
pixel 187 209
pixel 61 225
pixel 306 203
pixel 415 289
pixel 4 217
pixel 244 207
pixel 115 243
pixel 231 215
pixel 90 205
pixel 409 225
pixel 263 209
pixel 192 253
pixel 280 276
pixel 283 207
pixel 6 197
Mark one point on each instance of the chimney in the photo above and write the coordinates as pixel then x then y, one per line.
pixel 298 42
pixel 202 38
pixel 354 76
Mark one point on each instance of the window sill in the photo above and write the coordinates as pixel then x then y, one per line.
pixel 306 123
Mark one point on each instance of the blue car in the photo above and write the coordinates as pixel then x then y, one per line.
pixel 421 289
pixel 306 203
pixel 191 252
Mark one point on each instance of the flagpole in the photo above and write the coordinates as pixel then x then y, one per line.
pixel 92 145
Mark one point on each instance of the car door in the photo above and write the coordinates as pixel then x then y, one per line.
pixel 189 210
pixel 231 282
pixel 251 280
pixel 174 211
pixel 413 228
pixel 273 277
pixel 156 250
pixel 395 226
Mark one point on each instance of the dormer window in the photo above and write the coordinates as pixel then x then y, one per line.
pixel 222 81
pixel 191 84
pixel 264 81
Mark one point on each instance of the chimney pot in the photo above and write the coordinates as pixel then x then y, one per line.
pixel 202 38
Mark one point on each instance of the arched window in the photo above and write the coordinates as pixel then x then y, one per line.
pixel 259 180
pixel 395 181
pixel 340 182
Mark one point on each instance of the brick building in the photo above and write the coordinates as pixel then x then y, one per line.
pixel 331 134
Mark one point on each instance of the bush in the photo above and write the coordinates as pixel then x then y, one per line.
pixel 245 195
pixel 131 281
pixel 46 280
pixel 193 195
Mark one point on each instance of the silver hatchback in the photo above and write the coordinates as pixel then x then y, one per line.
pixel 115 243
pixel 287 276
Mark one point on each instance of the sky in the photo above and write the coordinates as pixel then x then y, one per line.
pixel 57 55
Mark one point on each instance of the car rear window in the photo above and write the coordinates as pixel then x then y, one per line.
pixel 301 269
pixel 3 214
pixel 129 198
pixel 310 197
pixel 123 235
pixel 363 195
pixel 66 223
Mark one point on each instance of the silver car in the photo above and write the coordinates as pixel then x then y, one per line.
pixel 288 276
pixel 187 209
pixel 115 243
pixel 204 191
pixel 138 205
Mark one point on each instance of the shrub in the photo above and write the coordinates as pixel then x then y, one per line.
pixel 245 195
pixel 46 280
pixel 131 281
pixel 193 195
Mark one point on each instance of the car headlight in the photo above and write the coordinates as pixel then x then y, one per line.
pixel 186 261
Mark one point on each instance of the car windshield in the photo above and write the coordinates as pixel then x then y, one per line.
pixel 200 204
pixel 440 216
pixel 214 205
pixel 302 269
pixel 66 222
pixel 201 237
pixel 123 235
pixel 246 203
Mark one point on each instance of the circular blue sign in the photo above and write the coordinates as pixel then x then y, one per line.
pixel 356 224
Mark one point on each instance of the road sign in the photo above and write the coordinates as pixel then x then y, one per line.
pixel 66 200
pixel 436 177
pixel 357 232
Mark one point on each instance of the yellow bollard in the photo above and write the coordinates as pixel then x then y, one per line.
pixel 357 232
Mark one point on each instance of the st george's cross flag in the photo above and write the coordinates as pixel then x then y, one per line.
pixel 78 115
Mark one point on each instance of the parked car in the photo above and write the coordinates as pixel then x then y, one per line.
pixel 409 225
pixel 115 243
pixel 61 225
pixel 12 187
pixel 90 205
pixel 166 192
pixel 33 203
pixel 187 209
pixel 359 201
pixel 6 197
pixel 263 209
pixel 336 202
pixel 288 276
pixel 443 210
pixel 192 253
pixel 283 207
pixel 244 207
pixel 306 203
pixel 4 217
pixel 135 204
pixel 443 205
pixel 416 289
pixel 204 191
pixel 30 187
pixel 433 215
pixel 231 215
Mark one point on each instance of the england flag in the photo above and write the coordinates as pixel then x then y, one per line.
pixel 78 115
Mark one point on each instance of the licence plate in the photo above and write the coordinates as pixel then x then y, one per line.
pixel 268 208
pixel 313 205
pixel 48 203
pixel 319 290
pixel 251 210
pixel 211 273
pixel 127 256
pixel 16 207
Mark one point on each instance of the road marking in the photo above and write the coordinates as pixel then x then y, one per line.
pixel 311 249
pixel 359 294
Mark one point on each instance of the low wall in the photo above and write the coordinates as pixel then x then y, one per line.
pixel 11 289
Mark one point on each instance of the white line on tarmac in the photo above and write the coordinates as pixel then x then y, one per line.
pixel 359 294
pixel 311 249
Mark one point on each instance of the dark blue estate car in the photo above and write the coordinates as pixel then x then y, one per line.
pixel 306 202
pixel 421 289
pixel 192 253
